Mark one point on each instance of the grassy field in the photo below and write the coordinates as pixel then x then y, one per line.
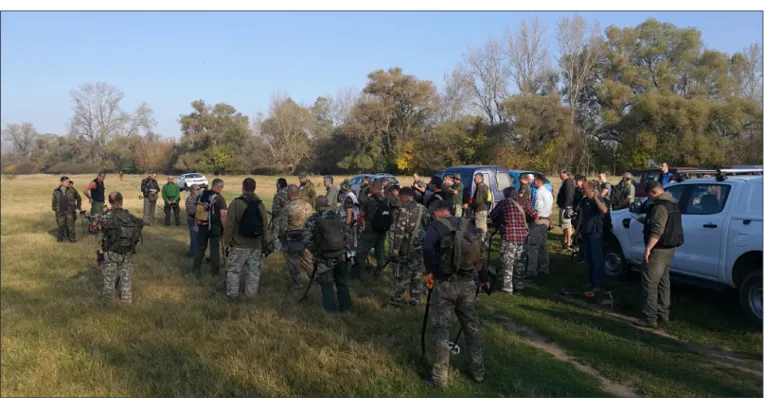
pixel 180 337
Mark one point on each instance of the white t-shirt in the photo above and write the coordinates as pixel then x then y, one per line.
pixel 543 202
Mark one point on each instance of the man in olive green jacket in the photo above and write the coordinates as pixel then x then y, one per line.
pixel 241 249
pixel 66 201
pixel 307 190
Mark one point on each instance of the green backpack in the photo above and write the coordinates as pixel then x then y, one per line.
pixel 123 233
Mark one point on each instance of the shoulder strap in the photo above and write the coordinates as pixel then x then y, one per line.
pixel 517 205
pixel 418 220
pixel 447 223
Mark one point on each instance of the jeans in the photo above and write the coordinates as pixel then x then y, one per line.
pixel 212 236
pixel 538 255
pixel 193 231
pixel 592 247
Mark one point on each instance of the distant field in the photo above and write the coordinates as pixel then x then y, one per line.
pixel 180 337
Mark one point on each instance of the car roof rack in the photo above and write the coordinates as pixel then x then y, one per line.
pixel 721 174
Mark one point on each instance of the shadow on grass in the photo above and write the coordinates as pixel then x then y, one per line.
pixel 626 353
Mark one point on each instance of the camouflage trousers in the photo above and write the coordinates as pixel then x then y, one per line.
pixel 117 267
pixel 390 240
pixel 455 295
pixel 66 227
pixel 240 259
pixel 512 266
pixel 294 261
pixel 408 274
pixel 481 221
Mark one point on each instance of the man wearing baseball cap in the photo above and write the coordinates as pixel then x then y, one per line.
pixel 624 193
pixel 307 190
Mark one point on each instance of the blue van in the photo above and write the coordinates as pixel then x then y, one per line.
pixel 496 177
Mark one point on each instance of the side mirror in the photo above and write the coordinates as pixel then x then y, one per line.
pixel 636 207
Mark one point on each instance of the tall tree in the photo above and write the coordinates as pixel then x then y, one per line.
pixel 208 126
pixel 99 116
pixel 20 138
pixel 579 44
pixel 287 133
pixel 747 70
pixel 527 55
pixel 484 72
pixel 395 109
pixel 454 97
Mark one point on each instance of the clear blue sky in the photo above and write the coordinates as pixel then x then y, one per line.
pixel 169 59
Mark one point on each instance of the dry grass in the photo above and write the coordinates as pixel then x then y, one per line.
pixel 180 337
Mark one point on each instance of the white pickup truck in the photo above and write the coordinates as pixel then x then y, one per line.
pixel 722 222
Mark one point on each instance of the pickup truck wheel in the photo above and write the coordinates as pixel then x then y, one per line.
pixel 750 297
pixel 615 264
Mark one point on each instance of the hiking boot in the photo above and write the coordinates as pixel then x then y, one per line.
pixel 475 379
pixel 429 381
pixel 73 240
pixel 59 240
pixel 664 319
pixel 644 323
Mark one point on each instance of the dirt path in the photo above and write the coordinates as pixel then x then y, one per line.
pixel 721 357
pixel 538 341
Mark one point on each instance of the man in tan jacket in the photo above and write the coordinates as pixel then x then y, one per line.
pixel 245 235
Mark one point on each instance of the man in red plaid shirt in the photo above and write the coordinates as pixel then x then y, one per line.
pixel 512 217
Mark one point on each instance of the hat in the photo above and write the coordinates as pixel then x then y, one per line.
pixel 627 176
pixel 579 177
pixel 457 176
pixel 64 178
pixel 345 185
pixel 301 175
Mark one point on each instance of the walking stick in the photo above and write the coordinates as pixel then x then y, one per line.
pixel 310 282
pixel 430 285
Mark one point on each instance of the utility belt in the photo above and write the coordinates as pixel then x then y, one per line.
pixel 294 241
pixel 461 275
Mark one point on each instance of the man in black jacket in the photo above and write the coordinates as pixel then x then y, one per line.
pixel 565 204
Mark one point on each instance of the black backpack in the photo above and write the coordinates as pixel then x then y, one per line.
pixel 460 249
pixel 331 231
pixel 615 195
pixel 383 217
pixel 251 223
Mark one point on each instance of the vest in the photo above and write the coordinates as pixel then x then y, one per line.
pixel 673 234
pixel 97 192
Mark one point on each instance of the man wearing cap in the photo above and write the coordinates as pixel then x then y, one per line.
pixel 66 201
pixel 365 190
pixel 95 194
pixel 481 204
pixel 457 189
pixel 565 204
pixel 332 194
pixel 395 208
pixel 419 187
pixel 626 193
pixel 349 210
pixel 307 190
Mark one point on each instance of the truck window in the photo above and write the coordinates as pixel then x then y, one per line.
pixel 503 180
pixel 707 198
pixel 754 199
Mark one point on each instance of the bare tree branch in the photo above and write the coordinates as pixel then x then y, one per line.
pixel 527 55
pixel 484 74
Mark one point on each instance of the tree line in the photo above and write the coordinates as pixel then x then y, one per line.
pixel 606 100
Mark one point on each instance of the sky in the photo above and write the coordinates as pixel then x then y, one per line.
pixel 169 59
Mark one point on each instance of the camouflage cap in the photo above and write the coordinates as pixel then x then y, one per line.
pixel 457 176
pixel 345 185
pixel 302 175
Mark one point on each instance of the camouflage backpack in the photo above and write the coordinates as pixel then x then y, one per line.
pixel 123 232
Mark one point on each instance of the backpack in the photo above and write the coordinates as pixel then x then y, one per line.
pixel 203 213
pixel 615 195
pixel 123 232
pixel 383 217
pixel 460 249
pixel 251 223
pixel 331 239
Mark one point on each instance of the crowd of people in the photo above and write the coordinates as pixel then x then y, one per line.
pixel 436 235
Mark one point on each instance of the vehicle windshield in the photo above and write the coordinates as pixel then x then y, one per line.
pixel 193 176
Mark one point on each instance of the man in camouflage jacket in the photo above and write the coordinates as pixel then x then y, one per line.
pixel 117 269
pixel 291 227
pixel 66 201
pixel 280 200
pixel 331 272
pixel 407 249
pixel 150 190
